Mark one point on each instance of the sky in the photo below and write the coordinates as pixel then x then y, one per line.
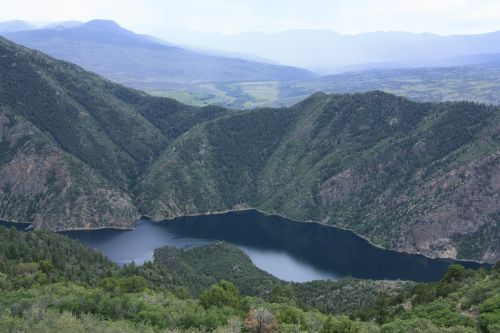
pixel 159 17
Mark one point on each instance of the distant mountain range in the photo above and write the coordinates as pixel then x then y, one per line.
pixel 423 67
pixel 15 26
pixel 143 61
pixel 330 52
pixel 79 151
pixel 19 25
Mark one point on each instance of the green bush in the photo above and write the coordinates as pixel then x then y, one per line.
pixel 418 325
pixel 341 325
pixel 130 284
pixel 489 318
pixel 455 273
pixel 282 293
pixel 219 295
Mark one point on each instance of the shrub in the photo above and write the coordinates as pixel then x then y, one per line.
pixel 260 321
pixel 489 318
pixel 341 325
pixel 219 295
pixel 454 273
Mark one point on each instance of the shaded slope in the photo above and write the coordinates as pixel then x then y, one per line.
pixel 74 143
pixel 43 184
pixel 78 110
pixel 411 176
pixel 81 152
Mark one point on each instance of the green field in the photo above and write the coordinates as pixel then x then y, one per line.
pixel 479 84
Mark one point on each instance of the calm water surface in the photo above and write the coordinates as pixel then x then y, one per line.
pixel 292 251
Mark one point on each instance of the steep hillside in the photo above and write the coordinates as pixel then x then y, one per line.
pixel 409 176
pixel 73 143
pixel 143 61
pixel 81 152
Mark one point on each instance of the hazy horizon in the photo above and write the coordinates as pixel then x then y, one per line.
pixel 320 50
pixel 163 18
pixel 52 24
pixel 325 36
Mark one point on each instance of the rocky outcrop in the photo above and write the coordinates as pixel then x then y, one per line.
pixel 340 186
pixel 77 151
pixel 419 178
pixel 473 203
pixel 43 185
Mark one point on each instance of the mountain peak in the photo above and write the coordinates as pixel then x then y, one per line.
pixel 102 25
pixel 15 25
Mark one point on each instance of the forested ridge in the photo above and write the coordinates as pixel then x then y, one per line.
pixel 75 143
pixel 51 283
pixel 79 151
pixel 419 177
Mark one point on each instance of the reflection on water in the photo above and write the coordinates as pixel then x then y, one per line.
pixel 290 250
pixel 322 251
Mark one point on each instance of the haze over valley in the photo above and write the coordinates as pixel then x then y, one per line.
pixel 407 64
pixel 250 166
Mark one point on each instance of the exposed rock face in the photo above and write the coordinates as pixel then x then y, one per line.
pixel 474 202
pixel 72 143
pixel 421 178
pixel 77 151
pixel 340 186
pixel 41 184
pixel 463 202
pixel 452 214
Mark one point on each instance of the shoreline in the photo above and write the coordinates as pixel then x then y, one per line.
pixel 95 229
pixel 320 224
pixel 249 209
pixel 28 226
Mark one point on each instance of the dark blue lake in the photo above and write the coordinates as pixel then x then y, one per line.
pixel 289 250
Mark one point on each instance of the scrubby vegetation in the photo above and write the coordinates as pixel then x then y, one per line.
pixel 51 283
pixel 201 267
